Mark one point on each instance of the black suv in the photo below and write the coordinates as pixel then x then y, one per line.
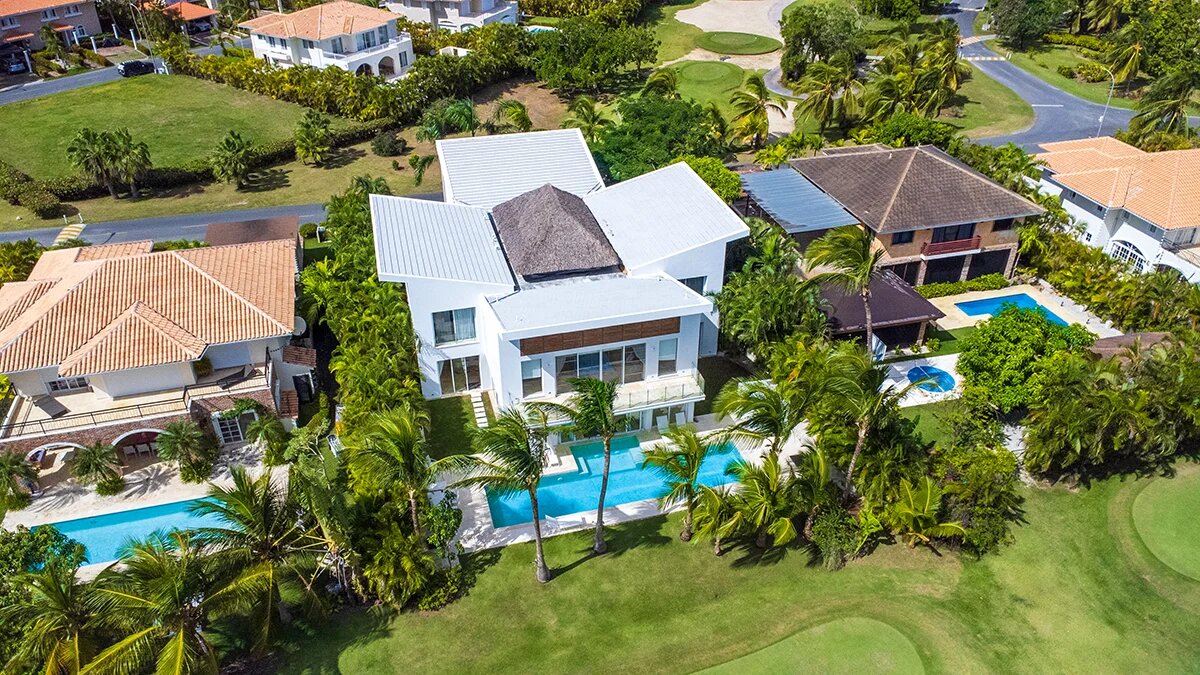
pixel 132 68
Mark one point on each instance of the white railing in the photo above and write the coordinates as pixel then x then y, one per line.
pixel 382 47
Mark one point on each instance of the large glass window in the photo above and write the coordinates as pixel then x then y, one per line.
pixel 589 365
pixel 365 40
pixel 695 283
pixel 383 34
pixel 619 364
pixel 902 238
pixel 635 363
pixel 531 377
pixel 565 367
pixel 458 375
pixel 1123 250
pixel 667 355
pixel 953 233
pixel 456 325
pixel 335 45
pixel 67 384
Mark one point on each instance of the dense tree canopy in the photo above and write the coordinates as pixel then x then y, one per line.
pixel 1020 22
pixel 586 55
pixel 817 32
pixel 653 131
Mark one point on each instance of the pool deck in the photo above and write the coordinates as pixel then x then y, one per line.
pixel 1065 308
pixel 898 377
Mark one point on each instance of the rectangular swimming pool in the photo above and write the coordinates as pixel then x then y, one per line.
pixel 104 535
pixel 993 306
pixel 627 482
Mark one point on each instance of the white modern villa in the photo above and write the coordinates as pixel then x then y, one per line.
pixel 347 35
pixel 1141 207
pixel 457 15
pixel 532 272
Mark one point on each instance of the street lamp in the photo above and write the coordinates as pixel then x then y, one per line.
pixel 1111 88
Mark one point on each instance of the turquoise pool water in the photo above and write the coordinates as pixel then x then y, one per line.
pixel 627 482
pixel 931 378
pixel 104 535
pixel 993 306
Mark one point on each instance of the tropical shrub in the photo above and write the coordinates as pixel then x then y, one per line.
pixel 21 550
pixel 109 487
pixel 987 282
pixel 835 535
pixel 194 451
pixel 388 144
pixel 981 484
pixel 653 131
pixel 1082 40
pixel 720 178
pixel 819 32
pixel 586 54
pixel 1091 72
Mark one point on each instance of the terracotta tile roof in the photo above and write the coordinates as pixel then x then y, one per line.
pixel 900 189
pixel 14 36
pixel 121 250
pixel 322 21
pixel 300 356
pixel 14 7
pixel 1161 187
pixel 141 309
pixel 190 11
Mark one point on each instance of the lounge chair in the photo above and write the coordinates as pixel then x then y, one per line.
pixel 681 418
pixel 661 421
pixel 143 449
pixel 129 450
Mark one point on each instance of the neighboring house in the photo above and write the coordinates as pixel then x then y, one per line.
pixel 346 35
pixel 457 15
pixel 21 21
pixel 532 272
pixel 1141 207
pixel 193 15
pixel 935 218
pixel 112 343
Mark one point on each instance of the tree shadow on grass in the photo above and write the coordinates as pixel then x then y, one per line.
pixel 354 626
pixel 746 554
pixel 266 180
pixel 341 157
pixel 621 539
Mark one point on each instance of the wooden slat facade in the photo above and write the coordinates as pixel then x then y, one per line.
pixel 598 336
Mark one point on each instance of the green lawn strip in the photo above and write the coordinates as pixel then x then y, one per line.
pixel 989 108
pixel 450 423
pixel 981 18
pixel 676 38
pixel 542 21
pixel 737 43
pixel 930 420
pixel 716 371
pixel 845 646
pixel 181 118
pixel 1165 515
pixel 949 342
pixel 1062 598
pixel 316 251
pixel 706 81
pixel 1044 62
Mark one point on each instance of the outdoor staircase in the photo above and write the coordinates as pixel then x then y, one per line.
pixel 481 418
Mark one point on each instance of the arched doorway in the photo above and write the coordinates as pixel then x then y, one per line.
pixel 387 67
pixel 138 447
pixel 364 69
pixel 52 462
pixel 1125 251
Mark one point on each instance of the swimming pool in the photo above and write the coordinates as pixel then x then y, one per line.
pixel 993 306
pixel 104 535
pixel 930 378
pixel 540 29
pixel 562 494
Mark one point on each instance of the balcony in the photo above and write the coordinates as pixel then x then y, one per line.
pixel 672 389
pixel 378 49
pixel 935 249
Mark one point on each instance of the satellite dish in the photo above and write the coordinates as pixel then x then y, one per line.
pixel 301 326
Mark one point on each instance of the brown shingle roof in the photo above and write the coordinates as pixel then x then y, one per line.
pixel 548 232
pixel 141 309
pixel 320 22
pixel 893 303
pixel 247 231
pixel 899 189
pixel 300 356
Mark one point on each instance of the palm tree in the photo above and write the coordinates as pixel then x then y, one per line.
pixel 815 486
pixel 371 185
pixel 389 454
pixel 52 44
pixel 15 472
pixel 1127 53
pixel 267 430
pixel 761 411
pixel 752 106
pixel 96 463
pixel 1165 105
pixel 132 159
pixel 93 154
pixel 915 516
pixel 718 126
pixel 834 94
pixel 231 160
pixel 767 499
pixel 181 442
pixel 420 164
pixel 588 117
pixel 663 82
pixel 312 137
pixel 715 517
pixel 160 601
pixel 259 544
pixel 590 409
pixel 54 621
pixel 678 461
pixel 1103 15
pixel 510 113
pixel 512 453
pixel 319 487
pixel 462 116
pixel 849 254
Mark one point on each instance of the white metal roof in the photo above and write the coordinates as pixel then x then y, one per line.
pixel 663 213
pixel 415 238
pixel 486 170
pixel 596 301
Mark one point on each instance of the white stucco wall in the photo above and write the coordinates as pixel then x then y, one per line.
pixel 143 380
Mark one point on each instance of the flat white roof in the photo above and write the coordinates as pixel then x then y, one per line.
pixel 415 238
pixel 594 300
pixel 486 170
pixel 663 213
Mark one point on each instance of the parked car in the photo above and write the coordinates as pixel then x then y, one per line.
pixel 200 26
pixel 133 68
pixel 14 66
pixel 110 41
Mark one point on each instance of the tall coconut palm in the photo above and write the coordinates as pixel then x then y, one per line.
pixel 591 411
pixel 588 117
pixel 761 411
pixel 834 94
pixel 55 622
pixel 511 455
pixel 132 159
pixel 389 454
pixel 318 484
pixel 767 499
pixel 851 261
pixel 915 516
pixel 96 463
pixel 715 517
pixel 259 543
pixel 161 602
pixel 1165 105
pixel 815 486
pixel 94 154
pixel 15 473
pixel 1128 51
pixel 1103 15
pixel 752 106
pixel 678 461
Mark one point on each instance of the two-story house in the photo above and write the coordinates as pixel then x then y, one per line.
pixel 21 21
pixel 1141 207
pixel 346 35
pixel 533 272
pixel 111 343
pixel 457 15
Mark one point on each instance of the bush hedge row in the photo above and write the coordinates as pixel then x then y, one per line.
pixel 18 189
pixel 987 282
pixel 1086 41
pixel 621 11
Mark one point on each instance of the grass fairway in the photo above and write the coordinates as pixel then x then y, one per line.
pixel 676 38
pixel 842 647
pixel 180 118
pixel 737 43
pixel 1165 514
pixel 707 81
pixel 1076 593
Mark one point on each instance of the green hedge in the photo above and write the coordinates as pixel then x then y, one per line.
pixel 1086 41
pixel 18 189
pixel 987 282
pixel 623 11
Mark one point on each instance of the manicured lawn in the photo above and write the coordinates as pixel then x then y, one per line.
pixel 850 646
pixel 676 38
pixel 1165 514
pixel 737 43
pixel 1077 592
pixel 989 108
pixel 451 421
pixel 930 420
pixel 716 371
pixel 1044 62
pixel 948 343
pixel 181 118
pixel 707 81
pixel 316 251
